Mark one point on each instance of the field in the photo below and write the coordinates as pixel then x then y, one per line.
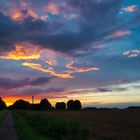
pixel 2 115
pixel 80 125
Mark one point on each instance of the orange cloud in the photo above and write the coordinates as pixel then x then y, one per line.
pixel 52 8
pixel 33 14
pixel 22 52
pixel 121 33
pixel 50 71
pixel 131 8
pixel 16 15
pixel 80 69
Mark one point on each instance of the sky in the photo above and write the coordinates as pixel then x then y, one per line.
pixel 70 49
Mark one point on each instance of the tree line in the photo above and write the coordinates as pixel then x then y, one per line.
pixel 43 105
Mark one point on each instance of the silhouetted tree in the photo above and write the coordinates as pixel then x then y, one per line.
pixel 70 105
pixel 45 104
pixel 35 106
pixel 74 105
pixel 21 104
pixel 2 104
pixel 60 106
pixel 133 107
pixel 77 105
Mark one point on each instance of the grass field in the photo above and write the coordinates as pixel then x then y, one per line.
pixel 25 131
pixel 2 115
pixel 86 125
pixel 56 128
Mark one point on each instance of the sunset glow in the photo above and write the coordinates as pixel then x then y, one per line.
pixel 66 49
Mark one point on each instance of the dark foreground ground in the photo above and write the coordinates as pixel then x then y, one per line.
pixel 7 128
pixel 72 125
pixel 110 124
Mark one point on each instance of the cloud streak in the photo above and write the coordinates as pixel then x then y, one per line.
pixel 50 71
pixel 6 83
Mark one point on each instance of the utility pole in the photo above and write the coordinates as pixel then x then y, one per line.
pixel 32 99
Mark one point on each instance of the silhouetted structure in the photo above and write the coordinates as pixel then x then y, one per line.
pixel 21 104
pixel 45 105
pixel 60 106
pixel 33 99
pixel 74 105
pixel 2 104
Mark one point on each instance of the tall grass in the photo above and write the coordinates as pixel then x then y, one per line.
pixel 2 115
pixel 25 131
pixel 56 127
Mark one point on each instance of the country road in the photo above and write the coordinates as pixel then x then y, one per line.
pixel 7 128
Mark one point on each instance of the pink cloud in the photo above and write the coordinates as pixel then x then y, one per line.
pixel 121 33
pixel 52 8
pixel 130 9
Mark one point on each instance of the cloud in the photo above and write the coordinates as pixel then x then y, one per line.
pixel 94 22
pixel 121 33
pixel 52 8
pixel 15 15
pixel 131 8
pixel 75 68
pixel 50 71
pixel 12 33
pixel 22 52
pixel 72 68
pixel 6 83
pixel 111 89
pixel 103 90
pixel 51 62
pixel 39 91
pixel 132 53
pixel 40 81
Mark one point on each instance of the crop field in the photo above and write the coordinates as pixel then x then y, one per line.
pixel 83 125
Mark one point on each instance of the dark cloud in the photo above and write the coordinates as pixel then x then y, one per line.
pixel 9 33
pixel 40 81
pixel 6 83
pixel 43 91
pixel 96 20
pixel 103 90
pixel 112 89
pixel 12 32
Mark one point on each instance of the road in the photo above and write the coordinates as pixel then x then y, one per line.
pixel 7 128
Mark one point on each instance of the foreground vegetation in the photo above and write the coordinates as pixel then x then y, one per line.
pixel 2 115
pixel 82 125
pixel 44 122
pixel 25 131
pixel 50 126
pixel 109 124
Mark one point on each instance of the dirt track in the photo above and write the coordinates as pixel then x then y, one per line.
pixel 7 128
